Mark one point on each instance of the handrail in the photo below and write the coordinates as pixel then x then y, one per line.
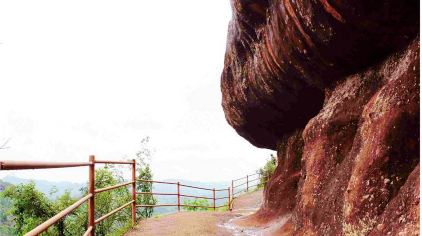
pixel 187 205
pixel 239 179
pixel 44 226
pixel 179 194
pixel 222 189
pixel 112 187
pixel 155 181
pixel 113 162
pixel 221 198
pixel 192 196
pixel 160 205
pixel 248 186
pixel 88 231
pixel 252 180
pixel 90 197
pixel 245 177
pixel 190 186
pixel 112 212
pixel 240 185
pixel 153 193
pixel 24 165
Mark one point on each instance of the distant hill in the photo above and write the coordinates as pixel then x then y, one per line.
pixel 45 186
pixel 3 185
pixel 166 188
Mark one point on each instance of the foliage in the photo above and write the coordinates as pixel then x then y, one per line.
pixel 145 199
pixel 196 205
pixel 6 220
pixel 145 173
pixel 29 208
pixel 23 207
pixel 266 171
pixel 108 201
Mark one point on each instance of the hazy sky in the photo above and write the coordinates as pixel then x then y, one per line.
pixel 94 77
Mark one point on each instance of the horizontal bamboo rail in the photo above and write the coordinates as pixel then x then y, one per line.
pixel 247 181
pixel 153 193
pixel 112 212
pixel 195 187
pixel 218 198
pixel 155 181
pixel 193 196
pixel 113 162
pixel 179 195
pixel 25 165
pixel 219 190
pixel 88 231
pixel 90 197
pixel 112 187
pixel 159 205
pixel 44 226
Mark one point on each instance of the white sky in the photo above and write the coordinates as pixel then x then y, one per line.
pixel 94 77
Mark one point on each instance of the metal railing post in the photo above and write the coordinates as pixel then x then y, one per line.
pixel 178 196
pixel 233 189
pixel 134 192
pixel 229 204
pixel 91 190
pixel 247 183
pixel 213 197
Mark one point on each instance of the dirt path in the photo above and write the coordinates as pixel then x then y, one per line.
pixel 199 223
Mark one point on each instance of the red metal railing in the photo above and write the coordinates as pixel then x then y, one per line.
pixel 178 194
pixel 246 183
pixel 90 197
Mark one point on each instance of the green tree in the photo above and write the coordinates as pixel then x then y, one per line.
pixel 6 219
pixel 106 202
pixel 61 203
pixel 267 170
pixel 29 208
pixel 145 199
pixel 143 157
pixel 196 205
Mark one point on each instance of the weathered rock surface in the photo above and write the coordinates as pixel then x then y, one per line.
pixel 333 86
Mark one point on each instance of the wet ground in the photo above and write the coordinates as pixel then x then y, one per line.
pixel 203 223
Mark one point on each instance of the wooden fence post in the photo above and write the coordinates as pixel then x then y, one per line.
pixel 229 203
pixel 213 194
pixel 247 183
pixel 178 196
pixel 134 192
pixel 91 190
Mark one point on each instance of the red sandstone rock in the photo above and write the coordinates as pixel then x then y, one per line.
pixel 333 86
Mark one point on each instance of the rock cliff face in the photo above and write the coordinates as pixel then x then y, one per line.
pixel 333 86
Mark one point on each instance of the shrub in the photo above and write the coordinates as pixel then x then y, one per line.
pixel 266 171
pixel 196 205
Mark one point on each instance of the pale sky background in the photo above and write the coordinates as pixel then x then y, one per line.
pixel 95 77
